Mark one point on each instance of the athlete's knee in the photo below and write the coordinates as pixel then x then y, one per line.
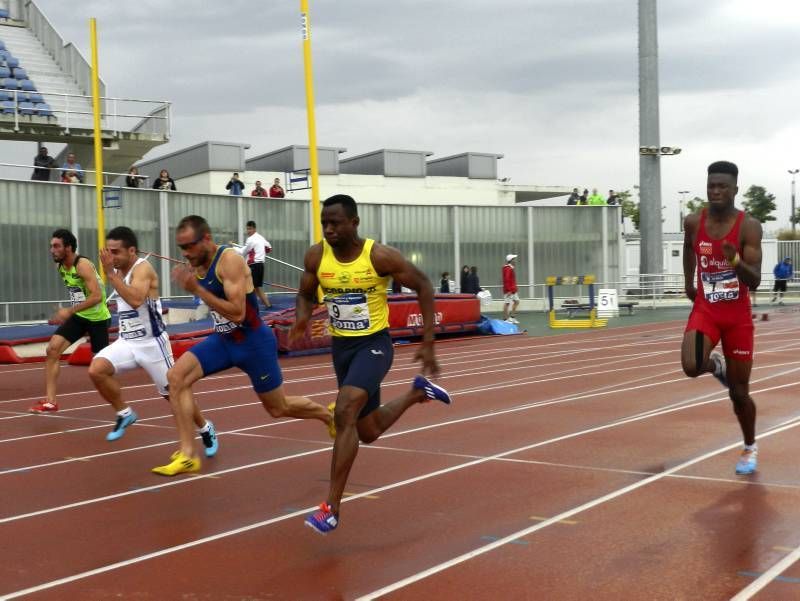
pixel 277 409
pixel 99 369
pixel 53 351
pixel 175 379
pixel 690 368
pixel 739 394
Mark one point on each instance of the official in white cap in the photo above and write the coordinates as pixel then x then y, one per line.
pixel 510 294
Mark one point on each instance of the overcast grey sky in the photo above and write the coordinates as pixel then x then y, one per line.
pixel 552 84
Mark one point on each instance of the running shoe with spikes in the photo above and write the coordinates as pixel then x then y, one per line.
pixel 44 406
pixel 748 462
pixel 121 425
pixel 179 464
pixel 323 520
pixel 210 441
pixel 431 390
pixel 720 369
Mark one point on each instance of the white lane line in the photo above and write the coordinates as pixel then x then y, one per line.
pixel 788 424
pixel 565 515
pixel 767 577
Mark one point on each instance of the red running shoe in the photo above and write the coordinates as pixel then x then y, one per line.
pixel 44 407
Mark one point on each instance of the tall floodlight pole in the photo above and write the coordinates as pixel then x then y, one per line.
pixel 651 259
pixel 312 126
pixel 98 144
pixel 793 172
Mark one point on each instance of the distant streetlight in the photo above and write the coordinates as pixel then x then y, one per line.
pixel 793 172
pixel 683 194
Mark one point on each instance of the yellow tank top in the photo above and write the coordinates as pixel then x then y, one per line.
pixel 354 293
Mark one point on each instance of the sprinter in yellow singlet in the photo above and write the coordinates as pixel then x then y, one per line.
pixel 353 273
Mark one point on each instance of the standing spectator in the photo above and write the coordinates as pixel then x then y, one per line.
pixel 783 273
pixel 259 191
pixel 613 199
pixel 71 165
pixel 444 284
pixel 43 163
pixel 582 198
pixel 595 199
pixel 464 287
pixel 164 182
pixel 235 186
pixel 473 282
pixel 276 191
pixel 573 198
pixel 510 293
pixel 255 251
pixel 133 180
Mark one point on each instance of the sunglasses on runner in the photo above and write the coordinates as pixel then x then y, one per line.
pixel 189 245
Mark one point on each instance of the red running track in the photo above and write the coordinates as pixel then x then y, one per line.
pixel 582 466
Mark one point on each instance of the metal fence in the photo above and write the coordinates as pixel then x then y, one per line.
pixel 547 240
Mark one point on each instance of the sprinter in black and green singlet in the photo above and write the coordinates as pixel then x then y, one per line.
pixel 353 273
pixel 87 315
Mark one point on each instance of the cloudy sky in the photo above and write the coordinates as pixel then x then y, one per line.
pixel 551 84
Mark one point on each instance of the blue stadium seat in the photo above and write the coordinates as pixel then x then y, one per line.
pixel 23 97
pixel 4 95
pixel 25 108
pixel 12 62
pixel 10 84
pixel 4 14
pixel 43 109
pixel 5 72
pixel 27 85
pixel 7 107
pixel 36 98
pixel 20 73
pixel 2 45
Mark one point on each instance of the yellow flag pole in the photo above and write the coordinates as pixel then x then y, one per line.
pixel 98 144
pixel 312 128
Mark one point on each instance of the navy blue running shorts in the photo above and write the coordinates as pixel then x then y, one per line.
pixel 255 352
pixel 363 362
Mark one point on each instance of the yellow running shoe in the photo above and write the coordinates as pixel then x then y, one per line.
pixel 332 424
pixel 180 464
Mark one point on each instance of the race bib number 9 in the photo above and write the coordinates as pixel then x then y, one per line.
pixel 76 295
pixel 348 311
pixel 720 286
pixel 131 326
pixel 222 324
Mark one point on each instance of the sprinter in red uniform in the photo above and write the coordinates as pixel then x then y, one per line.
pixel 721 264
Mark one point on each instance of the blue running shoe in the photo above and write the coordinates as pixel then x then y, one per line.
pixel 324 520
pixel 122 423
pixel 431 390
pixel 720 372
pixel 748 462
pixel 210 441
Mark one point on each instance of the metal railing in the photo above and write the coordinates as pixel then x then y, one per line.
pixel 107 175
pixel 117 114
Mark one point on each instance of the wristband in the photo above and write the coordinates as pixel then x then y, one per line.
pixel 736 259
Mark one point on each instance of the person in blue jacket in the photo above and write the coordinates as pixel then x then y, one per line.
pixel 783 273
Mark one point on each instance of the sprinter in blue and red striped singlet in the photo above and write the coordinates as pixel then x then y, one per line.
pixel 240 339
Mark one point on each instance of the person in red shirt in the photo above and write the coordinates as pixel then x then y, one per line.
pixel 259 191
pixel 721 263
pixel 510 295
pixel 276 190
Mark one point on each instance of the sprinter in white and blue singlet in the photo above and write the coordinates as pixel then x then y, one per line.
pixel 143 340
pixel 354 273
pixel 219 276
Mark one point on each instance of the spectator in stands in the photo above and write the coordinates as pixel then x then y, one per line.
pixel 783 273
pixel 259 191
pixel 510 293
pixel 473 282
pixel 595 199
pixel 71 165
pixel 573 198
pixel 464 283
pixel 235 186
pixel 444 284
pixel 276 191
pixel 133 180
pixel 582 198
pixel 70 177
pixel 43 164
pixel 612 199
pixel 164 182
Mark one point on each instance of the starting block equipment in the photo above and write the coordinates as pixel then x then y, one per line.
pixel 572 280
